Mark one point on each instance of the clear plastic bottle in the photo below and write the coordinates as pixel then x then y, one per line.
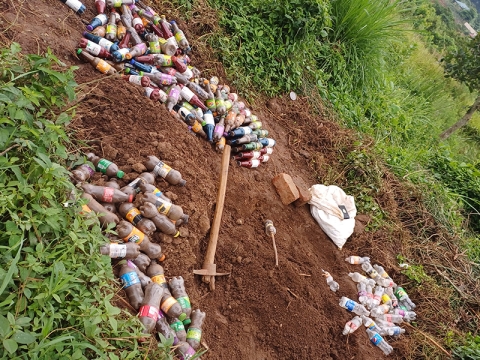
pixel 393 298
pixel 407 315
pixel 362 293
pixel 105 166
pixel 367 267
pixel 162 223
pixel 402 295
pixel 377 295
pixel 352 325
pixel 357 277
pixel 392 331
pixel 377 340
pixel 330 282
pixel 179 36
pixel 380 310
pixel 370 324
pixel 396 319
pixel 353 306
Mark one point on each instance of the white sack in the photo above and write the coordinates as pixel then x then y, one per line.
pixel 324 207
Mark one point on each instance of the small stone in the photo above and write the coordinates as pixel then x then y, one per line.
pixel 238 281
pixel 165 239
pixel 131 161
pixel 258 177
pixel 172 196
pixel 239 221
pixel 246 328
pixel 153 134
pixel 177 241
pixel 270 274
pixel 203 224
pixel 129 177
pixel 239 259
pixel 247 260
pixel 139 167
pixel 305 154
pixel 184 231
pixel 155 143
pixel 110 152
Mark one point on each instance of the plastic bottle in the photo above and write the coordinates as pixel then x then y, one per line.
pixel 253 163
pixel 123 44
pixel 253 146
pixel 121 30
pixel 107 217
pixel 219 129
pixel 179 328
pixel 82 173
pixel 396 319
pixel 357 277
pixel 381 271
pixel 193 99
pixel 380 310
pixel 171 307
pixel 100 6
pixel 133 215
pixel 136 50
pixel 179 36
pixel 377 340
pixel 393 299
pixel 131 285
pixel 404 306
pixel 99 31
pixel 134 37
pixel 157 274
pixel 161 221
pixel 402 295
pixel 130 233
pixel 230 121
pixel 190 120
pixel 94 49
pixel 105 166
pixel 177 288
pixel 220 145
pixel 392 331
pixel 99 64
pixel 367 267
pixel 164 328
pixel 106 194
pixel 267 142
pixel 407 315
pixel 137 24
pixel 137 80
pixel 194 334
pixel 377 296
pixel 99 20
pixel 245 139
pixel 173 96
pixel 146 188
pixel 161 169
pixel 369 290
pixel 155 94
pixel 142 261
pixel 370 324
pixel 134 186
pixel 172 211
pixel 362 293
pixel 148 312
pixel 253 154
pixel 119 3
pixel 181 78
pixel 352 306
pixel 75 5
pixel 169 46
pixel 209 125
pixel 184 351
pixel 111 32
pixel 241 131
pixel 201 93
pixel 120 251
pixel 220 103
pixel 144 279
pixel 352 325
pixel 210 100
pixel 165 26
pixel 330 282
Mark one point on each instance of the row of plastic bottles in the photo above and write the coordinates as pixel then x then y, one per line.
pixel 163 306
pixel 130 37
pixel 380 298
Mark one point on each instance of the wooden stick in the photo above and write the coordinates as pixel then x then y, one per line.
pixel 217 218
pixel 429 338
pixel 291 292
pixel 304 275
pixel 275 249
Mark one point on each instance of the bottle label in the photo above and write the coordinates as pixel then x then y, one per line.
pixel 74 4
pixel 385 298
pixel 168 303
pixel 187 94
pixel 112 29
pixel 93 48
pixel 396 331
pixel 376 339
pixel 162 169
pixel 118 251
pixel 108 194
pixel 137 80
pixel 177 326
pixel 102 165
pixel 135 236
pixel 196 127
pixel 134 216
pixel 135 183
pixel 148 91
pixel 372 325
pixel 163 207
pixel 103 66
pixel 194 334
pixel 167 60
pixel 161 41
pixel 350 305
pixel 174 93
pixel 157 192
pixel 362 293
pixel 117 3
pixel 184 301
pixel 179 36
pixel 149 311
pixel 161 315
pixel 165 79
pixel 160 280
pixel 105 44
pixel 400 293
pixel 187 355
pixel 163 96
pixel 209 119
pixel 154 47
pixel 91 172
pixel 210 103
pixel 129 279
pixel 136 20
pixel 388 317
pixel 219 129
pixel 400 312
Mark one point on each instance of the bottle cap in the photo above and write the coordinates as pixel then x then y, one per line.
pixel 162 258
pixel 130 198
pixel 89 27
pixel 79 51
pixel 187 322
pixel 177 234
pixel 182 182
pixel 182 317
pixel 120 174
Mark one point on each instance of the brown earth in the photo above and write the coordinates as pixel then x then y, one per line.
pixel 259 311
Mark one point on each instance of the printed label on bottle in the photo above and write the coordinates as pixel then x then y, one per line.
pixel 350 305
pixel 161 315
pixel 160 280
pixel 255 163
pixel 187 355
pixel 105 44
pixel 154 47
pixel 134 216
pixel 174 93
pixel 168 303
pixel 400 293
pixel 194 334
pixel 219 102
pixel 117 3
pixel 376 339
pixel 388 317
pixel 74 4
pixel 93 48
pixel 177 326
pixel 165 79
pixel 385 298
pixel 161 41
pixel 137 80
pixel 396 331
pixel 219 129
pixel 362 293
pixel 209 119
pixel 161 169
pixel 270 142
pixel 112 29
pixel 157 192
pixel 179 36
pixel 167 60
pixel 136 21
pixel 129 279
pixel 210 103
pixel 196 127
pixel 148 311
pixel 135 236
pixel 103 66
pixel 187 94
pixel 102 165
pixel 163 207
pixel 371 326
pixel 148 91
pixel 118 251
pixel 163 96
pixel 184 301
pixel 108 194
pixel 400 312
pixel 88 168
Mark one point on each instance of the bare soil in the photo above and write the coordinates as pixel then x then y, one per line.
pixel 259 311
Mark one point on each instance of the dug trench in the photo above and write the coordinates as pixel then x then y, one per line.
pixel 260 311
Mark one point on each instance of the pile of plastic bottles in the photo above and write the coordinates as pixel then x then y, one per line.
pixel 136 211
pixel 154 54
pixel 378 297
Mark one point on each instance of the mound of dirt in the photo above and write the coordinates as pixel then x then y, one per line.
pixel 259 311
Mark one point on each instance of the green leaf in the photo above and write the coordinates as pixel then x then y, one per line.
pixel 23 337
pixel 10 345
pixel 23 321
pixel 4 326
